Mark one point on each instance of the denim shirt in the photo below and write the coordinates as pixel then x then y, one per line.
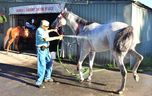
pixel 40 34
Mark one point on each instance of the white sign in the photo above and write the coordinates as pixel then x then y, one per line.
pixel 37 9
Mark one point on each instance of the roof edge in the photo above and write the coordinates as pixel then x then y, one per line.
pixel 141 4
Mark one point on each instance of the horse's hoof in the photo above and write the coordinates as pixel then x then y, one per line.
pixel 19 52
pixel 120 92
pixel 89 80
pixel 81 80
pixel 136 77
pixel 6 53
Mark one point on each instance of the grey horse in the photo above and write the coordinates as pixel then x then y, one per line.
pixel 118 37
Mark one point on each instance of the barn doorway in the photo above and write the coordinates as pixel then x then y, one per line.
pixel 28 44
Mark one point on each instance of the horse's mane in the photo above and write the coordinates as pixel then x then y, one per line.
pixel 21 28
pixel 83 21
pixel 78 19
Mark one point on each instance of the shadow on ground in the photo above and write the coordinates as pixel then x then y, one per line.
pixel 27 75
pixel 18 73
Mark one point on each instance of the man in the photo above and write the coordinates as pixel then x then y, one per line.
pixel 44 63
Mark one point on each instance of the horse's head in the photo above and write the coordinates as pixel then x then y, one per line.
pixel 26 31
pixel 72 20
pixel 60 20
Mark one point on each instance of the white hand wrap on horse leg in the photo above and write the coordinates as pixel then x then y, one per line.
pixel 80 71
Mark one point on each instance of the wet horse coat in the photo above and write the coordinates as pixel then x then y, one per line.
pixel 118 37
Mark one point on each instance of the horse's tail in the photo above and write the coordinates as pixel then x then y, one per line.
pixel 123 39
pixel 6 38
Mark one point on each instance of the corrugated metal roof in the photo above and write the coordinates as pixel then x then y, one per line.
pixel 138 2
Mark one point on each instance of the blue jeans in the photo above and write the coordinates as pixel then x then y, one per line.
pixel 44 65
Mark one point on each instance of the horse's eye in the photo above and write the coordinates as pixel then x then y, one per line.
pixel 59 17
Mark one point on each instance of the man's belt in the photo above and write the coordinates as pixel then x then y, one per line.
pixel 43 47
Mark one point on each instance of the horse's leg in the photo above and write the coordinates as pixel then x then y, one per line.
pixel 119 60
pixel 83 55
pixel 9 43
pixel 6 38
pixel 17 44
pixel 91 60
pixel 139 58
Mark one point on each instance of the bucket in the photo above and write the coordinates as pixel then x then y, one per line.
pixel 53 55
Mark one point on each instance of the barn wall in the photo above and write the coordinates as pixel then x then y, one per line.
pixel 142 22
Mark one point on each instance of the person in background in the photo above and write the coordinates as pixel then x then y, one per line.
pixel 30 24
pixel 44 61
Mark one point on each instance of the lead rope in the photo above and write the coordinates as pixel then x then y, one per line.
pixel 59 59
pixel 85 70
pixel 64 66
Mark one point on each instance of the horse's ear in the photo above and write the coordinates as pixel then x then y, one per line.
pixel 24 27
pixel 65 9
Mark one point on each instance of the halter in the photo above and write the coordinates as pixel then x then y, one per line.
pixel 77 29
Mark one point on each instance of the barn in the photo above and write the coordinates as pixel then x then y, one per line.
pixel 132 12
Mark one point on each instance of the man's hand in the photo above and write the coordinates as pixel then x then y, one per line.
pixel 56 30
pixel 45 39
pixel 60 37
